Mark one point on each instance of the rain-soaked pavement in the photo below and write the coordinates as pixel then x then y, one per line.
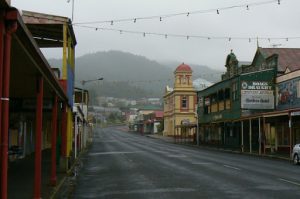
pixel 125 165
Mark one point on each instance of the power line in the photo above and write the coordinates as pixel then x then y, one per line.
pixel 187 37
pixel 187 14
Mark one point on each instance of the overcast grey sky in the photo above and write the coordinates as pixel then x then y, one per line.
pixel 271 20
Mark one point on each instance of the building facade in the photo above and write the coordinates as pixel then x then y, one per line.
pixel 35 107
pixel 179 102
pixel 254 107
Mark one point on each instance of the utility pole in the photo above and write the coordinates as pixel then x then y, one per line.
pixel 197 123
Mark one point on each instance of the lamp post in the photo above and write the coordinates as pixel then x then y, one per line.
pixel 72 8
pixel 197 123
pixel 83 82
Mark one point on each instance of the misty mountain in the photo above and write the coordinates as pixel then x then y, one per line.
pixel 128 75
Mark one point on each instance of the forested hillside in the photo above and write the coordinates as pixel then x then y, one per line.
pixel 127 75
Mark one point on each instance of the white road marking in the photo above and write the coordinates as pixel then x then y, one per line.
pixel 288 181
pixel 157 151
pixel 145 191
pixel 201 163
pixel 176 156
pixel 231 167
pixel 108 141
pixel 114 153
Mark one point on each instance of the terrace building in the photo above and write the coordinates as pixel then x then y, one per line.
pixel 255 106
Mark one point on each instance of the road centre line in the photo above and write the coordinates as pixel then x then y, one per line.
pixel 231 167
pixel 288 181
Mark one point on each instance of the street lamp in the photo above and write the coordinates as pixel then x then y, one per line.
pixel 83 82
pixel 72 9
pixel 197 123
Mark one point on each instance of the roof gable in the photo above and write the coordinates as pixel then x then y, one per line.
pixel 287 57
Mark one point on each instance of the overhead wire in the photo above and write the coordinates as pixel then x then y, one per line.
pixel 187 14
pixel 229 38
pixel 189 36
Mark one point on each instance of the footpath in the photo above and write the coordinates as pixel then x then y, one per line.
pixel 21 178
pixel 172 140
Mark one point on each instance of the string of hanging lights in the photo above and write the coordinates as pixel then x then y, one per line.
pixel 187 14
pixel 158 80
pixel 187 37
pixel 139 81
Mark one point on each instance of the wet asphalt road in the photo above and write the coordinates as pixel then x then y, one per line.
pixel 125 165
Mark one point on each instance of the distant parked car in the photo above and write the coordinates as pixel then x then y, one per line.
pixel 296 154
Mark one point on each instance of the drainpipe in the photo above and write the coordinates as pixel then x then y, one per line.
pixel 290 132
pixel 250 135
pixel 259 137
pixel 53 142
pixel 38 139
pixel 76 133
pixel 264 134
pixel 242 142
pixel 11 27
pixel 2 28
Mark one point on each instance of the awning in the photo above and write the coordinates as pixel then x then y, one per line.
pixel 276 114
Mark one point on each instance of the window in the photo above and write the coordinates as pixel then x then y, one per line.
pixel 298 89
pixel 206 109
pixel 234 92
pixel 227 93
pixel 184 102
pixel 214 98
pixel 282 134
pixel 184 79
pixel 200 101
pixel 221 95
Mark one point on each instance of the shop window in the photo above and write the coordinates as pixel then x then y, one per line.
pixel 283 135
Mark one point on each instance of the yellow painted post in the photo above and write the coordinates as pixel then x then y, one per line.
pixel 69 58
pixel 69 132
pixel 64 60
pixel 72 58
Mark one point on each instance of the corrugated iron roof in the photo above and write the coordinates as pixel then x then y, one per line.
pixel 23 42
pixel 159 114
pixel 287 57
pixel 47 29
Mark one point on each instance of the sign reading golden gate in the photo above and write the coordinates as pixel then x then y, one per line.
pixel 257 95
